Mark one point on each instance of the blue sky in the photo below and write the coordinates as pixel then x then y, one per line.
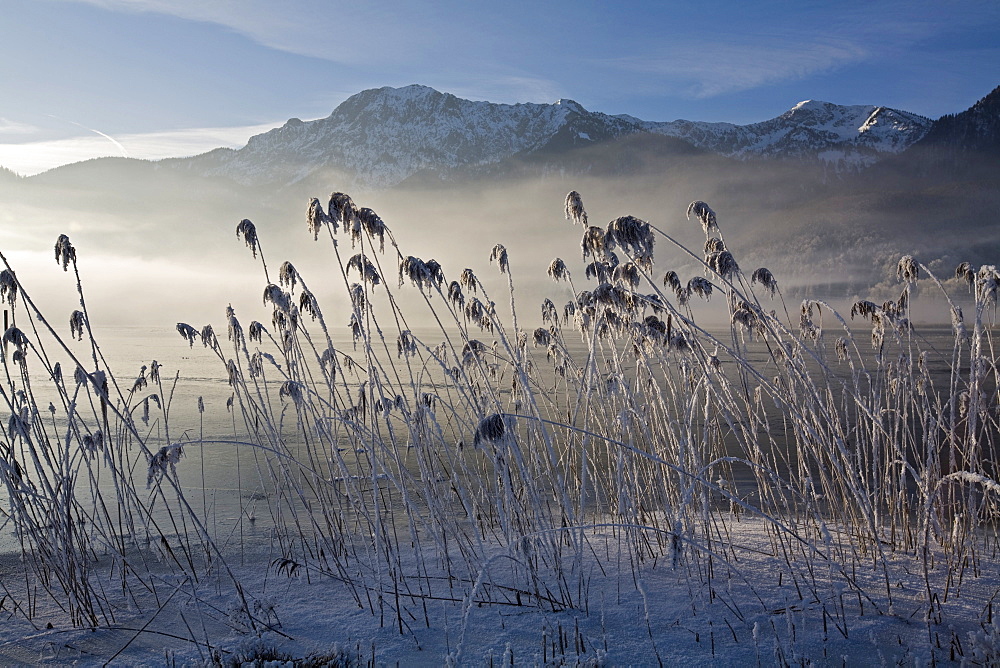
pixel 152 78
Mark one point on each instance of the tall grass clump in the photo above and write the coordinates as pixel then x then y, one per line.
pixel 456 449
pixel 91 483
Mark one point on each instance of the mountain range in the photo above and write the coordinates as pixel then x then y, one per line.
pixel 381 137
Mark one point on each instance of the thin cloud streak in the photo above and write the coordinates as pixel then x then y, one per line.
pixel 729 68
pixel 325 34
pixel 9 127
pixel 111 139
pixel 35 157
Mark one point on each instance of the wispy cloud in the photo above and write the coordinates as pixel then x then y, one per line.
pixel 332 30
pixel 9 127
pixel 34 157
pixel 727 67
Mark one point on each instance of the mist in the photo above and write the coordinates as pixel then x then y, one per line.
pixel 157 244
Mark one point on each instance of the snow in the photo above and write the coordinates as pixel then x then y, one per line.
pixel 380 137
pixel 754 609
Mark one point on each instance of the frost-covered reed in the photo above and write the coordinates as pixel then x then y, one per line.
pixel 480 463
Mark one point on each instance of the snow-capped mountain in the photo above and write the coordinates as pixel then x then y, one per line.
pixel 380 137
pixel 385 135
pixel 849 137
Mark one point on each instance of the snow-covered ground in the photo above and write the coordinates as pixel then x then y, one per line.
pixel 746 603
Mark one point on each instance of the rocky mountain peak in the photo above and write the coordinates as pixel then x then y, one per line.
pixel 384 135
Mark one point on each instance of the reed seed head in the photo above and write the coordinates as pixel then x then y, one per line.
pixel 281 300
pixel 77 324
pixel 468 280
pixel 700 286
pixel 424 275
pixel 8 287
pixel 455 295
pixel 766 279
pixel 472 351
pixel 672 280
pixel 633 235
pixel 93 443
pixel 187 332
pixel 341 210
pixel 479 314
pixel 627 273
pixel 723 263
pixel 966 272
pixel 287 275
pixel 235 330
pixel 863 308
pixel 406 345
pixel 703 213
pixel 557 270
pixel 164 460
pixel 843 352
pixel 807 328
pixel 987 281
pixel 593 243
pixel 958 323
pixel 365 268
pixel 248 232
pixel 208 337
pixel 293 390
pixel 233 373
pixel 370 223
pixel 316 217
pixel 574 209
pixel 654 327
pixel 499 254
pixel 357 330
pixel 257 331
pixel 549 312
pixel 714 245
pixel 309 304
pixel 65 252
pixel 745 318
pixel 490 428
pixel 908 269
pixel 19 423
pixel 599 270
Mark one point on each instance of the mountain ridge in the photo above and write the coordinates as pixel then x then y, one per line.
pixel 380 137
